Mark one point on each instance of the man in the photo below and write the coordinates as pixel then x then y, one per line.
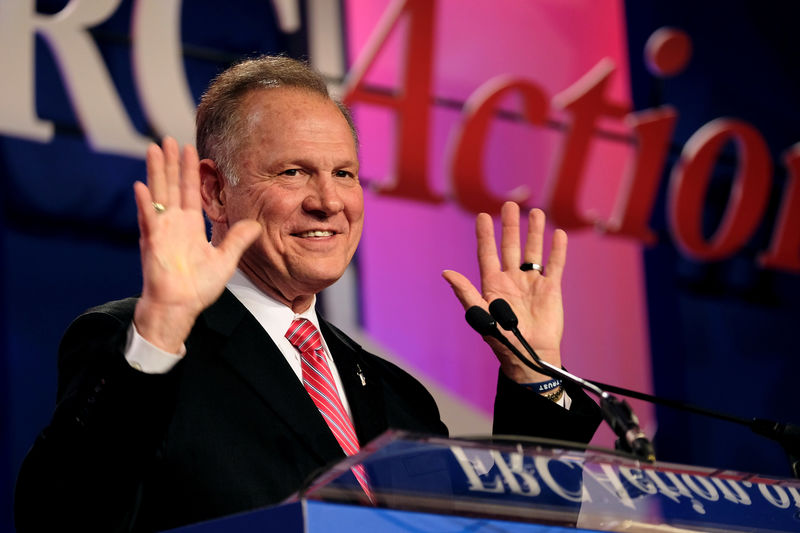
pixel 191 401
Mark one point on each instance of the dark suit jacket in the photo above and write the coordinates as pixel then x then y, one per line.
pixel 230 428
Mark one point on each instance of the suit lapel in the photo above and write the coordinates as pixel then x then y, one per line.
pixel 251 353
pixel 364 395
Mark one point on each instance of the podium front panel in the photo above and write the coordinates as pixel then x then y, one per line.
pixel 559 486
pixel 426 484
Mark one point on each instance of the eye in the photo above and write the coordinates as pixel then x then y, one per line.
pixel 290 172
pixel 343 174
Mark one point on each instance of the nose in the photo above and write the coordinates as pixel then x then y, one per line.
pixel 323 198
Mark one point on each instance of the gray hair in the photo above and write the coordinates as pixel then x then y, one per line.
pixel 219 126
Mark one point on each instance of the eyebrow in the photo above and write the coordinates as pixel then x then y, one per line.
pixel 303 162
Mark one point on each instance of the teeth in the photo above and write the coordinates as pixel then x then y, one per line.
pixel 316 233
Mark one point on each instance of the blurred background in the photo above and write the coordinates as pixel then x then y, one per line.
pixel 660 134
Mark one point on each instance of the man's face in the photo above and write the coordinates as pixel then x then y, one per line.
pixel 298 177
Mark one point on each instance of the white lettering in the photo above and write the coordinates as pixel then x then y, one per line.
pixel 514 472
pixel 161 83
pixel 740 497
pixel 638 479
pixel 87 81
pixel 17 93
pixel 543 468
pixel 795 495
pixel 708 492
pixel 475 481
pixel 609 480
pixel 677 489
pixel 780 499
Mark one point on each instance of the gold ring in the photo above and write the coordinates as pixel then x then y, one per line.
pixel 159 207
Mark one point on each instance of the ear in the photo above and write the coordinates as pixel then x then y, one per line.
pixel 213 190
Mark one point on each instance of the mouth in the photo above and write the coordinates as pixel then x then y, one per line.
pixel 314 233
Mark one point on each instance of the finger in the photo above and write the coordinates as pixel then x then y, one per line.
pixel 464 290
pixel 535 238
pixel 156 180
pixel 171 172
pixel 190 179
pixel 488 263
pixel 558 256
pixel 509 239
pixel 240 236
pixel 145 214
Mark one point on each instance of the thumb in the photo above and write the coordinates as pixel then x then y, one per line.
pixel 238 238
pixel 464 290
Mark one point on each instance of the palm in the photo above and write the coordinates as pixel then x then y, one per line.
pixel 179 266
pixel 536 301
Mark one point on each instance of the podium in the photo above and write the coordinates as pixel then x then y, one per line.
pixel 429 484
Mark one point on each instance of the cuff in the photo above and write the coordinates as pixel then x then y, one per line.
pixel 145 357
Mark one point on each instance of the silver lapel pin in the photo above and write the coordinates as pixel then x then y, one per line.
pixel 361 375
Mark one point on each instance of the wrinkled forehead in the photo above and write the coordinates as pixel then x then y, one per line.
pixel 291 124
pixel 266 106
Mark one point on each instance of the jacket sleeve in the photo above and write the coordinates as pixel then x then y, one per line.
pixel 84 470
pixel 521 411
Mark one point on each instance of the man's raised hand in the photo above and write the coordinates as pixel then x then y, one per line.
pixel 534 296
pixel 182 273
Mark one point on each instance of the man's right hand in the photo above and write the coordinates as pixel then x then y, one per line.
pixel 182 273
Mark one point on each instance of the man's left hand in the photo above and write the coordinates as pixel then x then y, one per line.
pixel 534 296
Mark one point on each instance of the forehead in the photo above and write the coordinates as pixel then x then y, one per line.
pixel 286 112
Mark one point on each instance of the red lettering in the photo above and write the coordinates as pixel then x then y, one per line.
pixel 586 101
pixel 784 251
pixel 689 185
pixel 469 182
pixel 631 215
pixel 411 103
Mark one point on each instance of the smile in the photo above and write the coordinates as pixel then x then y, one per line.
pixel 315 233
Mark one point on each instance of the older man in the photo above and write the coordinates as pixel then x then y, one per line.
pixel 219 389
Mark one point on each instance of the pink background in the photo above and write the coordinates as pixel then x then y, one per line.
pixel 406 305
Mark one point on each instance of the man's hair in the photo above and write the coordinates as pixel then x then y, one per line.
pixel 219 125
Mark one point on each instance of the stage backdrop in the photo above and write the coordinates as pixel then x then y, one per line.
pixel 659 134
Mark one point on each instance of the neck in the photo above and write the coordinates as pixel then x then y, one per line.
pixel 298 303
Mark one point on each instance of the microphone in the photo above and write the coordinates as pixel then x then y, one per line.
pixel 482 322
pixel 508 320
pixel 617 413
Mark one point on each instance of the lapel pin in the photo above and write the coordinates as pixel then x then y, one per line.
pixel 361 375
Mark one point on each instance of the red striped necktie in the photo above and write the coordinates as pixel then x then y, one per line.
pixel 319 383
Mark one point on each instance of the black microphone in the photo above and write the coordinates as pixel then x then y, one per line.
pixel 617 413
pixel 482 322
pixel 508 320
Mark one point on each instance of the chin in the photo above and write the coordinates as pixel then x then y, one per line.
pixel 316 281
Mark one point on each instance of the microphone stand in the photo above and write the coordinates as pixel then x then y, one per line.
pixel 617 413
pixel 787 435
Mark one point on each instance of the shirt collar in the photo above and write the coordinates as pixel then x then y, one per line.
pixel 275 317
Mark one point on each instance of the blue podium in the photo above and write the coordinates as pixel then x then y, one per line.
pixel 425 484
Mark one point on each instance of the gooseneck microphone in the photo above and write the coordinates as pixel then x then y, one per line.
pixel 482 322
pixel 787 435
pixel 617 412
